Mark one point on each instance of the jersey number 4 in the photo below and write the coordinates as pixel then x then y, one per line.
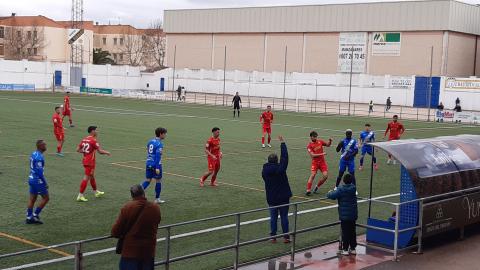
pixel 86 148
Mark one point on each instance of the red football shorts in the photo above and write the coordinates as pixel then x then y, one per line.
pixel 393 138
pixel 59 136
pixel 67 112
pixel 319 165
pixel 89 170
pixel 214 164
pixel 267 129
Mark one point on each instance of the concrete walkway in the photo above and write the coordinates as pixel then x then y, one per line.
pixel 441 253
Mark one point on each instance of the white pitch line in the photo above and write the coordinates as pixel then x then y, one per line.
pixel 150 113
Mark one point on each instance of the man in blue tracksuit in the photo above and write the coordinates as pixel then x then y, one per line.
pixel 37 183
pixel 278 190
pixel 349 149
pixel 347 212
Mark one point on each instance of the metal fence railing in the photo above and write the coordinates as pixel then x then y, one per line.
pixel 296 230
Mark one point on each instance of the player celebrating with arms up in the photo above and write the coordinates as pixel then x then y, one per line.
pixel 154 168
pixel 367 136
pixel 315 150
pixel 67 109
pixel 38 184
pixel 88 147
pixel 58 130
pixel 396 130
pixel 266 118
pixel 214 155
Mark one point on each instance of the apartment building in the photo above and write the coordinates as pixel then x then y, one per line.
pixel 39 38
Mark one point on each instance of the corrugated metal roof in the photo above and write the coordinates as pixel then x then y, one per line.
pixel 386 16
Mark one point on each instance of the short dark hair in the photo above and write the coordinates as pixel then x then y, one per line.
pixel 269 106
pixel 137 191
pixel 215 129
pixel 395 116
pixel 159 131
pixel 313 134
pixel 347 178
pixel 91 128
pixel 368 125
pixel 57 107
pixel 272 158
pixel 39 142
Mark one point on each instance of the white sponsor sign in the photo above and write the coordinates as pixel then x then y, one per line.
pixel 467 117
pixel 401 82
pixel 462 84
pixel 386 44
pixel 348 42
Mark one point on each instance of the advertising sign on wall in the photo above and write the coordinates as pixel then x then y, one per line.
pixel 401 82
pixel 386 44
pixel 348 42
pixel 462 84
pixel 451 214
pixel 93 90
pixel 13 86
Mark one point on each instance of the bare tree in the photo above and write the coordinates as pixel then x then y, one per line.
pixel 134 46
pixel 155 39
pixel 24 42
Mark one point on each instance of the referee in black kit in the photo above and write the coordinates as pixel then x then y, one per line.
pixel 236 104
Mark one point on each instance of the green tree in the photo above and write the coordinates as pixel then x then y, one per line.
pixel 101 57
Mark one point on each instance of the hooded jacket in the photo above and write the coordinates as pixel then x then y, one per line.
pixel 347 201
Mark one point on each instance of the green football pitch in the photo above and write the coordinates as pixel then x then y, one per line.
pixel 125 125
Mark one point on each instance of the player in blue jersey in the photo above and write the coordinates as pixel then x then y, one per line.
pixel 154 162
pixel 367 136
pixel 349 149
pixel 38 184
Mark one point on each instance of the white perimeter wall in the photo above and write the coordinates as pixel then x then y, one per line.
pixel 328 87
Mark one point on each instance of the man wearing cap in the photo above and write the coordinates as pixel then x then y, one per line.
pixel 349 149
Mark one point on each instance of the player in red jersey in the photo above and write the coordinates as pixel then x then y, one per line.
pixel 396 130
pixel 58 130
pixel 266 118
pixel 315 150
pixel 214 155
pixel 88 147
pixel 67 109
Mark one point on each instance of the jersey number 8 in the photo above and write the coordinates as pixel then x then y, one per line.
pixel 150 149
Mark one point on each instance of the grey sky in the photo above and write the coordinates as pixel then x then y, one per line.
pixel 139 12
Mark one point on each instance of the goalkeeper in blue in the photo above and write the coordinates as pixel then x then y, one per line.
pixel 367 136
pixel 154 162
pixel 38 184
pixel 349 149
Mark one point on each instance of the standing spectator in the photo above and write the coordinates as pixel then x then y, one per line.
pixel 236 101
pixel 347 212
pixel 457 101
pixel 458 108
pixel 136 227
pixel 179 93
pixel 389 104
pixel 278 190
pixel 440 108
pixel 370 107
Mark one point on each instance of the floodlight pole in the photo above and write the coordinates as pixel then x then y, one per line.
pixel 224 74
pixel 174 67
pixel 285 78
pixel 429 101
pixel 350 86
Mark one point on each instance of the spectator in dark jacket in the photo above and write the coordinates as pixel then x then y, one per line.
pixel 137 224
pixel 347 212
pixel 278 190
